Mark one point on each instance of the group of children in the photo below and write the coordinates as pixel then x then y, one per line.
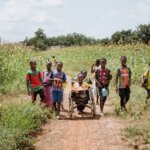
pixel 49 84
pixel 102 80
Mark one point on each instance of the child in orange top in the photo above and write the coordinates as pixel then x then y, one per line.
pixel 123 77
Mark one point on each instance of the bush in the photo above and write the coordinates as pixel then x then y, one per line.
pixel 13 65
pixel 16 124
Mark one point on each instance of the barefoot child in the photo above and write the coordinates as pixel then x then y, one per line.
pixel 47 84
pixel 34 82
pixel 103 77
pixel 123 83
pixel 58 77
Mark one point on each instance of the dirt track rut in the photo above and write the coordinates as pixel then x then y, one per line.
pixel 82 133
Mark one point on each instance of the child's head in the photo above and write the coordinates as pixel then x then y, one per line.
pixel 59 66
pixel 97 62
pixel 33 64
pixel 123 60
pixel 84 73
pixel 48 64
pixel 80 78
pixel 103 62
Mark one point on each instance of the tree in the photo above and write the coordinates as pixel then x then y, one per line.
pixel 40 40
pixel 104 41
pixel 143 33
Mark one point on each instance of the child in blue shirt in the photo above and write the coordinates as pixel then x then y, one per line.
pixel 58 77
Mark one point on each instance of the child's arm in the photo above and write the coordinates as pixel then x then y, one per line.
pixel 116 81
pixel 55 61
pixel 28 78
pixel 109 76
pixel 51 78
pixel 96 79
pixel 27 85
pixel 64 78
pixel 92 68
pixel 130 73
pixel 41 79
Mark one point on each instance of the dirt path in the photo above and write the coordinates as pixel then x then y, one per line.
pixel 83 133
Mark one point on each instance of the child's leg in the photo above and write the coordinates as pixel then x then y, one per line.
pixel 96 93
pixel 58 104
pixel 127 95
pixel 54 97
pixel 122 99
pixel 51 98
pixel 102 103
pixel 62 102
pixel 34 95
pixel 42 95
pixel 59 100
pixel 54 105
pixel 102 100
pixel 97 98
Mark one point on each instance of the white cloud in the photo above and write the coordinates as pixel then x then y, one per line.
pixel 141 12
pixel 16 16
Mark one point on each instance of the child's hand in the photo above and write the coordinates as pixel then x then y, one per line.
pixel 29 93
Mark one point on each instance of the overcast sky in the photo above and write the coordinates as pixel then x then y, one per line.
pixel 95 18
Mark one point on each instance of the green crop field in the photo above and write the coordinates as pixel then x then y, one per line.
pixel 14 63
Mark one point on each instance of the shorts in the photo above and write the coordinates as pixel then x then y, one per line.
pixel 40 92
pixel 124 92
pixel 57 96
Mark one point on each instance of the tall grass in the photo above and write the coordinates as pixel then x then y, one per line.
pixel 137 117
pixel 14 61
pixel 17 122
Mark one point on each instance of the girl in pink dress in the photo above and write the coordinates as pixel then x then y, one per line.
pixel 47 85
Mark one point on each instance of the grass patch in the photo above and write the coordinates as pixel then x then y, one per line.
pixel 137 107
pixel 17 122
pixel 139 134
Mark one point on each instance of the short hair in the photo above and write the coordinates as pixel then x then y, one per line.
pixel 123 57
pixel 103 59
pixel 83 71
pixel 97 62
pixel 48 62
pixel 60 63
pixel 32 61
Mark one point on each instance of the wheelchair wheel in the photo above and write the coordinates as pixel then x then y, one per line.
pixel 93 108
pixel 70 108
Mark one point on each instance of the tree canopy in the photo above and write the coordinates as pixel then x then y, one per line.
pixel 40 41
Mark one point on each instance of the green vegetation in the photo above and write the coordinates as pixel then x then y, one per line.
pixel 40 41
pixel 14 62
pixel 18 123
pixel 141 131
